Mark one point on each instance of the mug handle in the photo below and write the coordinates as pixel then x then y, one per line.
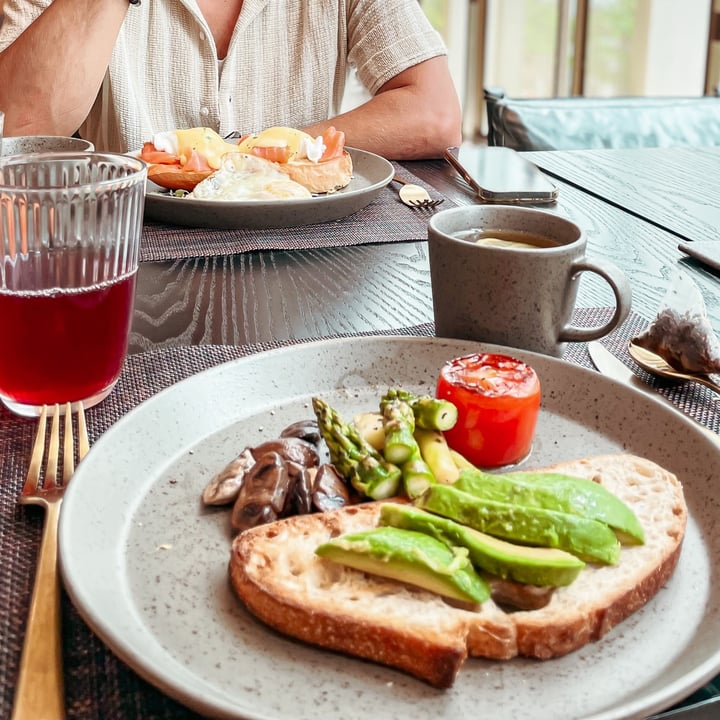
pixel 623 301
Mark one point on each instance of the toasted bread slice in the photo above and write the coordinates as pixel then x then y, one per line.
pixel 173 177
pixel 320 177
pixel 275 572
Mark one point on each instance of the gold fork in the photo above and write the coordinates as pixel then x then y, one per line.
pixel 39 690
pixel 415 196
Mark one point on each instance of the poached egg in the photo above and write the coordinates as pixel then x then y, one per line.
pixel 302 146
pixel 204 141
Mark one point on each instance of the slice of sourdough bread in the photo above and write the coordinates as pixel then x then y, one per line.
pixel 275 572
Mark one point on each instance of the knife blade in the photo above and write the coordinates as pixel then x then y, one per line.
pixel 704 710
pixel 616 369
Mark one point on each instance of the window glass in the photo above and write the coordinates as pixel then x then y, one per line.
pixel 521 44
pixel 646 47
pixel 633 47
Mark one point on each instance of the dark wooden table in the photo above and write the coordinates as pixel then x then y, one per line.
pixel 674 188
pixel 263 296
pixel 258 297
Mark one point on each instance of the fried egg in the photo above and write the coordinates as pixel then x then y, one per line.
pixel 205 141
pixel 246 177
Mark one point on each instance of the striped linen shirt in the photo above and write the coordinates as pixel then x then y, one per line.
pixel 287 64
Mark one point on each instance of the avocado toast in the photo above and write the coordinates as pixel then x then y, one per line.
pixel 277 573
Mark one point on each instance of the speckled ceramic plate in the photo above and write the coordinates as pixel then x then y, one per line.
pixel 146 564
pixel 371 173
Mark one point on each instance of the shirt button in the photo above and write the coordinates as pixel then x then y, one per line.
pixel 202 36
pixel 204 111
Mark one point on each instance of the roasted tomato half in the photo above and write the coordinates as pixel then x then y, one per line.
pixel 498 401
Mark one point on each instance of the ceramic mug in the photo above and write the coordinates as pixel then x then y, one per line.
pixel 24 144
pixel 516 295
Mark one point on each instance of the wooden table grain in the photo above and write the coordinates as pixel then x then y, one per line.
pixel 677 189
pixel 259 297
pixel 263 296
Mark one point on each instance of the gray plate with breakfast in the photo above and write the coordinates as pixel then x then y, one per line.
pixel 134 530
pixel 371 173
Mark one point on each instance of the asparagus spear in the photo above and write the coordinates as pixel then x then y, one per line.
pixel 461 462
pixel 430 413
pixel 437 454
pixel 367 470
pixel 399 425
pixel 401 447
pixel 417 476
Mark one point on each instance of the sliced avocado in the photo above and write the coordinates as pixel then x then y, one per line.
pixel 588 539
pixel 410 557
pixel 555 491
pixel 530 565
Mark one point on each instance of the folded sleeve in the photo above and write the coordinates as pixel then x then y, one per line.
pixel 16 16
pixel 386 37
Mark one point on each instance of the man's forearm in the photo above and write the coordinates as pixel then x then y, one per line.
pixel 416 115
pixel 52 72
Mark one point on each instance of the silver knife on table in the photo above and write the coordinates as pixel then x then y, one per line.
pixel 612 367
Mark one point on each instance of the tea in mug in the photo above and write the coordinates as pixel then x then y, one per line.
pixel 507 238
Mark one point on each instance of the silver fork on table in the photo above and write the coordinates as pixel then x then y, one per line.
pixel 415 196
pixel 39 691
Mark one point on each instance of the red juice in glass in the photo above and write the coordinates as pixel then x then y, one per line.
pixel 63 345
pixel 70 229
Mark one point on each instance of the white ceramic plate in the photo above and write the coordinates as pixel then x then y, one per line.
pixel 146 564
pixel 371 173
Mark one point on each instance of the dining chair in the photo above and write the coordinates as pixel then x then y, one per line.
pixel 578 123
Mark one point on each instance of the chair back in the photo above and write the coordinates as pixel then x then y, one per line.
pixel 579 123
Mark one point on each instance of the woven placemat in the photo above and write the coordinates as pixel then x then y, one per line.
pixel 384 220
pixel 97 684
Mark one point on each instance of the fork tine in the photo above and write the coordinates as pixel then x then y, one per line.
pixel 426 204
pixel 68 445
pixel 33 473
pixel 50 481
pixel 83 441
